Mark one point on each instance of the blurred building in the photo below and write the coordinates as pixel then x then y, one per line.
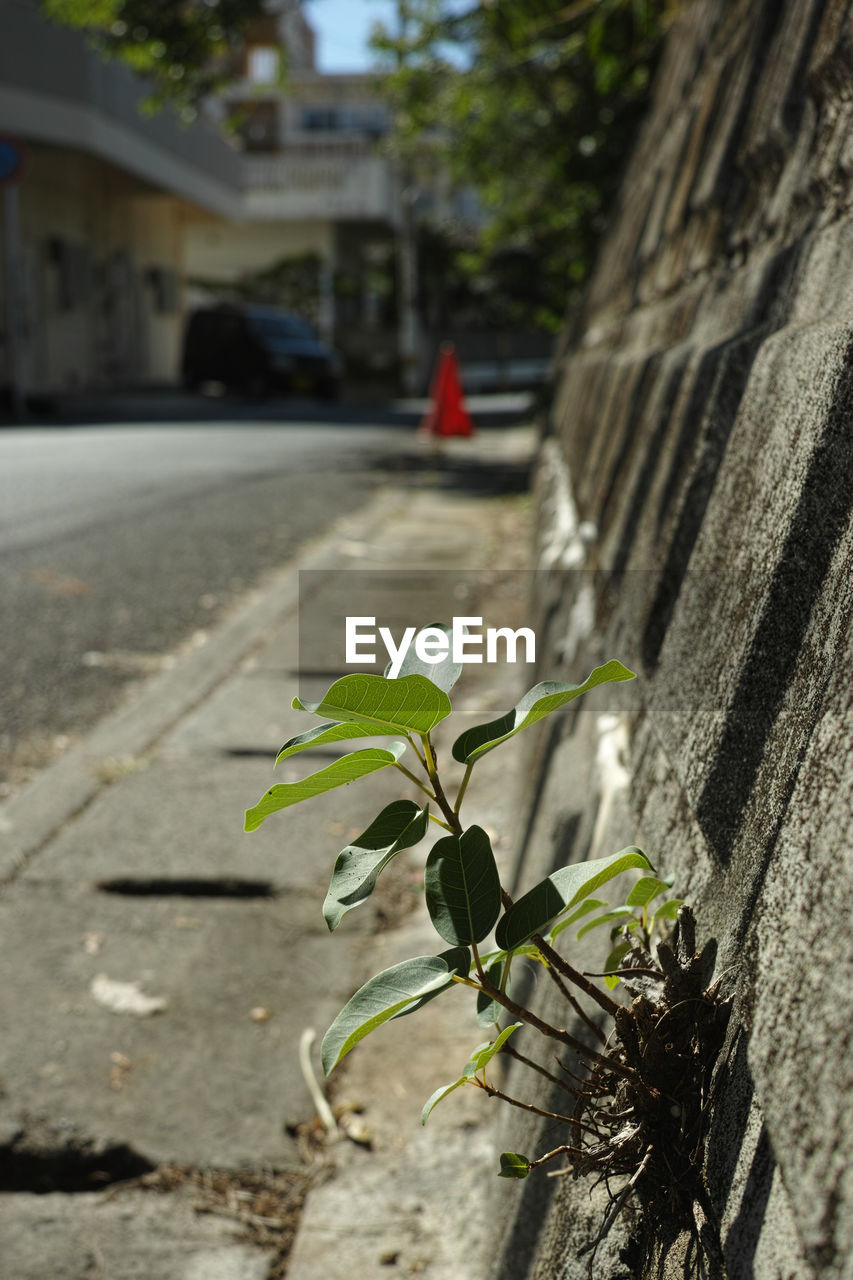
pixel 332 221
pixel 283 191
pixel 94 227
pixel 323 201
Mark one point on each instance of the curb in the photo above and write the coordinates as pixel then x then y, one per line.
pixel 64 789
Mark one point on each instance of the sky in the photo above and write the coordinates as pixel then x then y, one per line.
pixel 343 29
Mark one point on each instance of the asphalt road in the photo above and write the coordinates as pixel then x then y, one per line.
pixel 118 543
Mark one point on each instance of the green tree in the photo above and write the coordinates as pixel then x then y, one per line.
pixel 185 49
pixel 535 103
pixel 292 282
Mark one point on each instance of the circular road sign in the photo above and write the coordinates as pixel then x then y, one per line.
pixel 11 160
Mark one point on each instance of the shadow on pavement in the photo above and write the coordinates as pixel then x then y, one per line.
pixel 474 476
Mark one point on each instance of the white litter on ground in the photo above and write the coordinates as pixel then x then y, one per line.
pixel 125 997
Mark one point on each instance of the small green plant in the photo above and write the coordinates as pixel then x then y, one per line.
pixel 636 1099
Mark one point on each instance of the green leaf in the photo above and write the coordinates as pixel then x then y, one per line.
pixel 563 888
pixel 619 913
pixel 331 731
pixel 612 962
pixel 479 1060
pixel 463 888
pixel 647 888
pixel 442 1092
pixel 409 704
pixel 350 767
pixel 400 825
pixel 488 1010
pixel 388 993
pixel 514 1165
pixel 667 910
pixel 442 673
pixel 483 1054
pixel 591 904
pixel 537 703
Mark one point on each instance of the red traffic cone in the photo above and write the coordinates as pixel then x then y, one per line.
pixel 447 414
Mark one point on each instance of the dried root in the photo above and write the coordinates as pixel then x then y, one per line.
pixel 652 1126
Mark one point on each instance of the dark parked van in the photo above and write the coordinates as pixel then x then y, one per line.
pixel 256 350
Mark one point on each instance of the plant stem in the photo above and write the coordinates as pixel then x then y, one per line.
pixel 558 1151
pixel 519 1011
pixel 414 747
pixel 440 798
pixel 429 754
pixel 440 822
pixel 549 954
pixel 574 1075
pixel 465 982
pixel 535 1066
pixel 462 786
pixel 556 1033
pixel 562 966
pixel 582 1014
pixel 416 781
pixel 516 1102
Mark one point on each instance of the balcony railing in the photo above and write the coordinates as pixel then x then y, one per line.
pixel 321 184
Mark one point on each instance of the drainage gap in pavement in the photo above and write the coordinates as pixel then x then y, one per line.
pixel 188 887
pixel 71 1168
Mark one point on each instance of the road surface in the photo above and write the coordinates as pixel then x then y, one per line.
pixel 118 543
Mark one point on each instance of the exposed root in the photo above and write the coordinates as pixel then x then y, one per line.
pixel 653 1125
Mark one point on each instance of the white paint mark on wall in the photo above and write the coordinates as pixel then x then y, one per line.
pixel 611 760
pixel 565 537
pixel 580 625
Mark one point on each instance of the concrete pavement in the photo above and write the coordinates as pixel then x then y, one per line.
pixel 159 965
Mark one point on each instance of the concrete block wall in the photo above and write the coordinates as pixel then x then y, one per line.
pixel 695 494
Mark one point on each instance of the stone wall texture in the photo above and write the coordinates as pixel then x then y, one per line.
pixel 695 494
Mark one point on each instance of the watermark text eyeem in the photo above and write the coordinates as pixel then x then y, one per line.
pixel 464 643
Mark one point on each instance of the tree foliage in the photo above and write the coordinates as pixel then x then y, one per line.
pixel 185 49
pixel 292 282
pixel 535 103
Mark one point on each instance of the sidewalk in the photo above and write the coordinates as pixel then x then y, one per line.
pixel 125 863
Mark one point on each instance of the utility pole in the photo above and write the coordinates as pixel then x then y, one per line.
pixel 407 251
pixel 11 163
